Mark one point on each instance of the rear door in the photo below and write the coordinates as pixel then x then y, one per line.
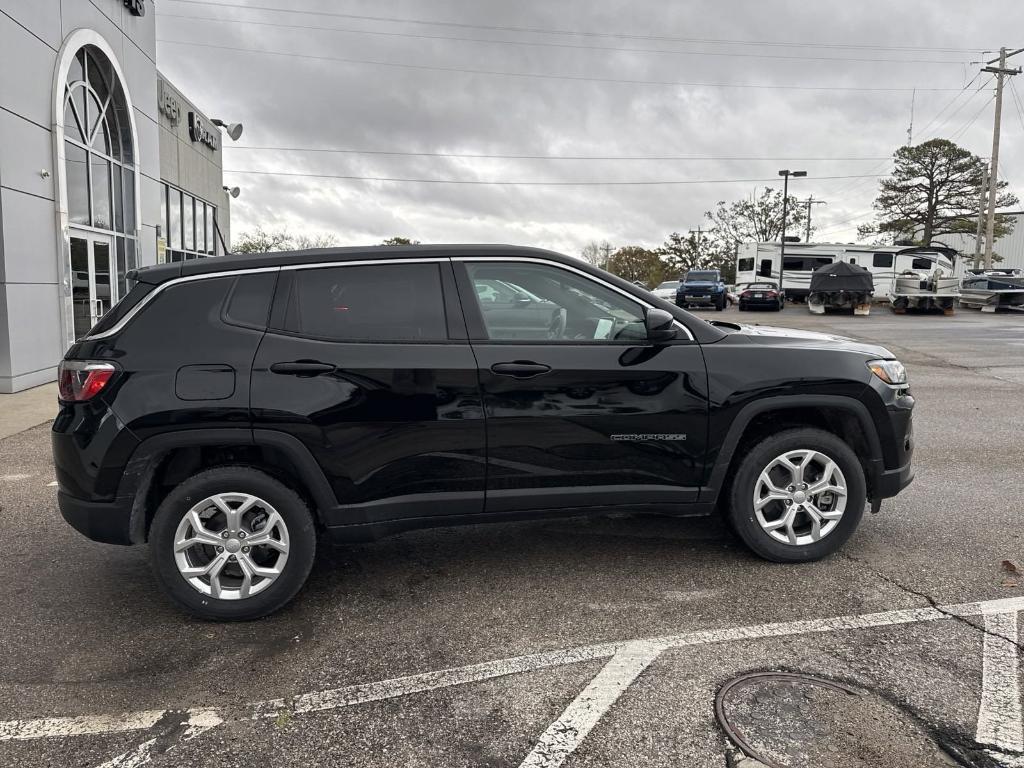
pixel 582 412
pixel 367 363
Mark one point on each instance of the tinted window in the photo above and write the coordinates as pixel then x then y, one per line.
pixel 745 265
pixel 389 302
pixel 920 263
pixel 766 268
pixel 806 263
pixel 881 260
pixel 249 302
pixel 703 277
pixel 545 303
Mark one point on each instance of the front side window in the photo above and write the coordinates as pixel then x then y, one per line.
pixel 386 302
pixel 543 303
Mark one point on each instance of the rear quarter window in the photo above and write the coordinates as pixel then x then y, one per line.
pixel 250 298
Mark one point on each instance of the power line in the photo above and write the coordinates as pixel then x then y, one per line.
pixel 672 182
pixel 469 155
pixel 950 103
pixel 577 33
pixel 545 76
pixel 1018 104
pixel 956 136
pixel 955 112
pixel 538 44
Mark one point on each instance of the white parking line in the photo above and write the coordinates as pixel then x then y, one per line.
pixel 569 730
pixel 585 711
pixel 999 714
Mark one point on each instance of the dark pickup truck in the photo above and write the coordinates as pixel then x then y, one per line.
pixel 702 288
pixel 230 411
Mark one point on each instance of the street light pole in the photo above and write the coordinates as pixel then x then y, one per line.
pixel 785 174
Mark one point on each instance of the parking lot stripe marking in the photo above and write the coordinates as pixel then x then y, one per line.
pixel 86 725
pixel 428 681
pixel 567 732
pixel 388 689
pixel 199 721
pixel 999 714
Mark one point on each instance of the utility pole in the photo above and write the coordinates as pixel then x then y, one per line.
pixel 1000 72
pixel 981 218
pixel 606 251
pixel 785 174
pixel 698 261
pixel 809 202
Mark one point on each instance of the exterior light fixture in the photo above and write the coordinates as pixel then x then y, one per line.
pixel 233 130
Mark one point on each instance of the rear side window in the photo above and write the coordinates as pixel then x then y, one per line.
pixel 249 301
pixel 386 302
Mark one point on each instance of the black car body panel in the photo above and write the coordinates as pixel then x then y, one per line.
pixel 219 361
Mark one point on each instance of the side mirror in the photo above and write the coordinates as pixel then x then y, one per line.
pixel 659 326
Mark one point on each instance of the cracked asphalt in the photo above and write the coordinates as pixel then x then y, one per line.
pixel 85 632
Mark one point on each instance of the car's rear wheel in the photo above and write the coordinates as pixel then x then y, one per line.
pixel 797 496
pixel 232 544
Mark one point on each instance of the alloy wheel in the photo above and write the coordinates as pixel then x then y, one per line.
pixel 799 497
pixel 231 546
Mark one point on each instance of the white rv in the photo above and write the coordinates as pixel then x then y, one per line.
pixel 760 261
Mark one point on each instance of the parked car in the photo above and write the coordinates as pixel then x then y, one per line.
pixel 764 295
pixel 352 393
pixel 667 290
pixel 702 287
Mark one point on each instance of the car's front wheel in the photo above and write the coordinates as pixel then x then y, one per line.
pixel 232 544
pixel 797 496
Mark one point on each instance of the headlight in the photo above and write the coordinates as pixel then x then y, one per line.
pixel 890 371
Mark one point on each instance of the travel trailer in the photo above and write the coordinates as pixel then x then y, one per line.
pixel 886 263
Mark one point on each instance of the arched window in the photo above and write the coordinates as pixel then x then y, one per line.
pixel 99 152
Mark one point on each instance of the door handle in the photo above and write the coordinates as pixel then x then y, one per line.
pixel 303 368
pixel 520 369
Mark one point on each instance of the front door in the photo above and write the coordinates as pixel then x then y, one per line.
pixel 93 281
pixel 581 410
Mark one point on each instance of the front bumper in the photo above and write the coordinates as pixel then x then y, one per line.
pixel 705 298
pixel 890 482
pixel 106 522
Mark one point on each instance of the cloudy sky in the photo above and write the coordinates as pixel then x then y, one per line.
pixel 712 91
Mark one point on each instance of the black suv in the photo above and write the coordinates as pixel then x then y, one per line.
pixel 702 287
pixel 229 411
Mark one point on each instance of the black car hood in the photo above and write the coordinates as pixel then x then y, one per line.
pixel 795 337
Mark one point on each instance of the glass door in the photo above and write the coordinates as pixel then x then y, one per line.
pixel 93 280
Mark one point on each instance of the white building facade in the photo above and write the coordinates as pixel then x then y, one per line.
pixel 104 166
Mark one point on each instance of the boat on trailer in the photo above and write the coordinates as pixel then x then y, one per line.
pixel 992 289
pixel 841 285
pixel 929 283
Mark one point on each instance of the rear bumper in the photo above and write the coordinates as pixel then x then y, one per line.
pixel 106 522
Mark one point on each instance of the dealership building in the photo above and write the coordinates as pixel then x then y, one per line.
pixel 104 166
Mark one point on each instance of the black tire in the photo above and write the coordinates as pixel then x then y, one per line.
pixel 235 479
pixel 742 308
pixel 720 304
pixel 741 516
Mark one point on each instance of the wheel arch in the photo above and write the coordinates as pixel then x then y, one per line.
pixel 161 461
pixel 843 416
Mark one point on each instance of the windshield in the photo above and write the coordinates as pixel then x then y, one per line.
pixel 701 277
pixel 761 286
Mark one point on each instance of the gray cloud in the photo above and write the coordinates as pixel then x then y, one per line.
pixel 304 102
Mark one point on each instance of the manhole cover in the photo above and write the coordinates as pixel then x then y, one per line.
pixel 796 721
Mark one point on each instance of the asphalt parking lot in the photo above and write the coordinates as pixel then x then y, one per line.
pixel 580 643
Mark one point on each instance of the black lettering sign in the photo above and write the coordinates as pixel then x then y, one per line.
pixel 199 131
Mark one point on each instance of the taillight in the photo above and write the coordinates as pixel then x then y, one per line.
pixel 81 380
pixel 771 294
